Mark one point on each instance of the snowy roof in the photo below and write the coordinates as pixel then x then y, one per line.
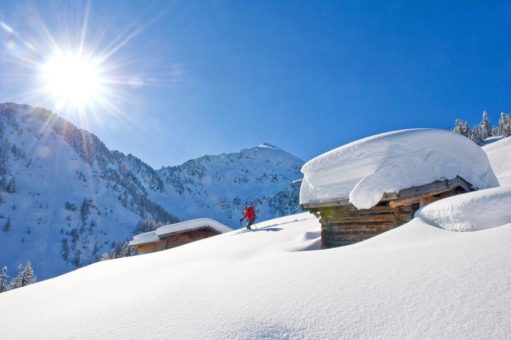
pixel 169 229
pixel 192 225
pixel 144 238
pixel 361 172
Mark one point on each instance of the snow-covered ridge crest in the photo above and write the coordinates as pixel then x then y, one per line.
pixel 499 154
pixel 366 169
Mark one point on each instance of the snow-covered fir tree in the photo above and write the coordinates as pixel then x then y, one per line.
pixel 27 276
pixel 504 128
pixel 484 129
pixel 24 277
pixel 16 281
pixel 7 225
pixel 461 127
pixel 485 126
pixel 3 280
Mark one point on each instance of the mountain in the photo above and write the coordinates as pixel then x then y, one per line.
pixel 220 186
pixel 65 198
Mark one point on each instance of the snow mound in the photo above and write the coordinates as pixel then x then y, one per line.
pixel 472 211
pixel 499 154
pixel 366 169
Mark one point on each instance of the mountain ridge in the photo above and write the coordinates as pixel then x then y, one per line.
pixel 68 198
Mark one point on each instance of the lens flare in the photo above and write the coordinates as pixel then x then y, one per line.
pixel 72 79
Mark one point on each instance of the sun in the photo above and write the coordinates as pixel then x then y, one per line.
pixel 72 80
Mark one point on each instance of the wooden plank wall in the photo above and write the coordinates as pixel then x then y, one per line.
pixel 187 237
pixel 343 225
pixel 176 240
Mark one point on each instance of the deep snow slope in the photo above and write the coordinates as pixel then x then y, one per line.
pixel 65 199
pixel 416 281
pixel 499 154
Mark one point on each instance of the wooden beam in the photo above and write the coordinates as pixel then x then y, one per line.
pixel 416 198
pixel 438 186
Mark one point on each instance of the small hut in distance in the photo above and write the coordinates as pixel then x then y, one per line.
pixel 177 234
pixel 373 185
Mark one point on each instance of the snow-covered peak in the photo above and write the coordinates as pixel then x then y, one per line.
pixel 366 169
pixel 268 145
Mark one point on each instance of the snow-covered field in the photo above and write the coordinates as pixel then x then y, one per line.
pixel 417 281
pixel 421 280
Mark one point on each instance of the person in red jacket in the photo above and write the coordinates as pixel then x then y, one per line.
pixel 249 215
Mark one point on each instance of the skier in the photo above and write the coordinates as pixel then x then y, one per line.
pixel 249 215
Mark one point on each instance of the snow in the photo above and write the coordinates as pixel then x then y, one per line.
pixel 416 281
pixel 473 211
pixel 268 145
pixel 192 224
pixel 492 139
pixel 499 154
pixel 154 236
pixel 362 171
pixel 144 238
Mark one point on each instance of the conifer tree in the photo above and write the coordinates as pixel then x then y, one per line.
pixel 485 127
pixel 461 127
pixel 27 276
pixel 505 125
pixel 11 187
pixel 16 281
pixel 7 225
pixel 3 280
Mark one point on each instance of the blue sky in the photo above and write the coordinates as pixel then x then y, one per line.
pixel 206 77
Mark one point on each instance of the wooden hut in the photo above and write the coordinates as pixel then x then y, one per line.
pixel 343 224
pixel 177 234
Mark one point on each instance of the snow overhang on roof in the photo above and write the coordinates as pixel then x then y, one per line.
pixel 145 238
pixel 362 172
pixel 192 225
pixel 200 223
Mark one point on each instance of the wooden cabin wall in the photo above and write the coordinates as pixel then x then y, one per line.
pixel 149 247
pixel 175 240
pixel 343 225
pixel 187 237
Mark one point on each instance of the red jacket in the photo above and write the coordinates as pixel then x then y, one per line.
pixel 249 214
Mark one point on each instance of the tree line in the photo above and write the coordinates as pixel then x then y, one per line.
pixel 24 277
pixel 484 129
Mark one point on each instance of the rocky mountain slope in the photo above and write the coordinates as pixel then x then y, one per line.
pixel 65 198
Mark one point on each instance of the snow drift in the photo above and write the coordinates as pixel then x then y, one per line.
pixel 499 154
pixel 366 169
pixel 472 211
